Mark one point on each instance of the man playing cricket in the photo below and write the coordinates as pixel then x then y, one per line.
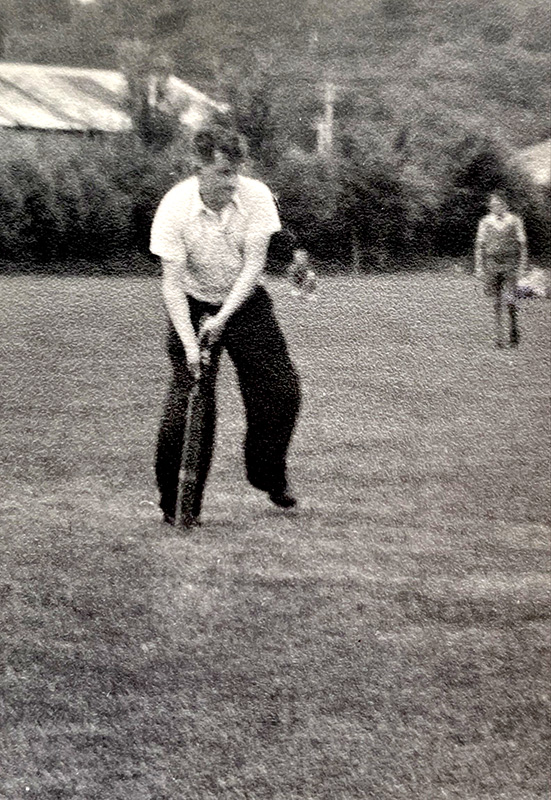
pixel 500 260
pixel 212 233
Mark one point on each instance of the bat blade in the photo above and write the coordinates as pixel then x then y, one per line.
pixel 190 489
pixel 191 484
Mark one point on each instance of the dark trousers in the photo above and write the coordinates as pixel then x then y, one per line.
pixel 269 386
pixel 502 285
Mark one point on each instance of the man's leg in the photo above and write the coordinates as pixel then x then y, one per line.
pixel 512 308
pixel 497 288
pixel 514 336
pixel 270 388
pixel 173 423
pixel 498 320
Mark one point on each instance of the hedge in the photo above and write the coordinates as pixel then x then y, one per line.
pixel 64 200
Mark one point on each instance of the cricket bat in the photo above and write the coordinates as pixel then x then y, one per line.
pixel 190 492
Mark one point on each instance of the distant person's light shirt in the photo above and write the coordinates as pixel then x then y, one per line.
pixel 210 246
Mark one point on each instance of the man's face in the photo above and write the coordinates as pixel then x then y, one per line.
pixel 497 206
pixel 217 181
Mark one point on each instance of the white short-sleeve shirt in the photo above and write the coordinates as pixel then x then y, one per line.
pixel 210 246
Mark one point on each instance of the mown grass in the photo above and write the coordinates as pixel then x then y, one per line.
pixel 391 640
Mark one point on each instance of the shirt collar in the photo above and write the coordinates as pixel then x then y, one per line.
pixel 198 207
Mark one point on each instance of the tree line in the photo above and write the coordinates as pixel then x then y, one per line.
pixel 432 100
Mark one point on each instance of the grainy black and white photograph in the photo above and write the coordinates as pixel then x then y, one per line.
pixel 275 381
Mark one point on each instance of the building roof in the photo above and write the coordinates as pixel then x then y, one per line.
pixel 45 97
pixel 536 161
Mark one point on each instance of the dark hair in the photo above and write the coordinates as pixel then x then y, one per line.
pixel 217 139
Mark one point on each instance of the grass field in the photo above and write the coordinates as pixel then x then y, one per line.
pixel 390 640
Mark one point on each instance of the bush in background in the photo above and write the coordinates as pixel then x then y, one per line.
pixel 92 199
pixel 307 189
pixel 375 202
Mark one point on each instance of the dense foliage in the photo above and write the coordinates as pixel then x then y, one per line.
pixel 432 100
pixel 63 197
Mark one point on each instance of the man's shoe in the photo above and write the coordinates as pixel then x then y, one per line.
pixel 188 522
pixel 168 519
pixel 282 498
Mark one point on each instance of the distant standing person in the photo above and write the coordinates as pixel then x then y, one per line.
pixel 212 233
pixel 500 260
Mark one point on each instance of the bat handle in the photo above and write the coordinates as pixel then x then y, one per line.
pixel 204 343
pixel 204 355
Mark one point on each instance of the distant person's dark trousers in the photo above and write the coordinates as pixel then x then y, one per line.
pixel 269 386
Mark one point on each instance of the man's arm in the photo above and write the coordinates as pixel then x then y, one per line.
pixel 178 310
pixel 167 242
pixel 479 249
pixel 256 248
pixel 263 222
pixel 521 234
